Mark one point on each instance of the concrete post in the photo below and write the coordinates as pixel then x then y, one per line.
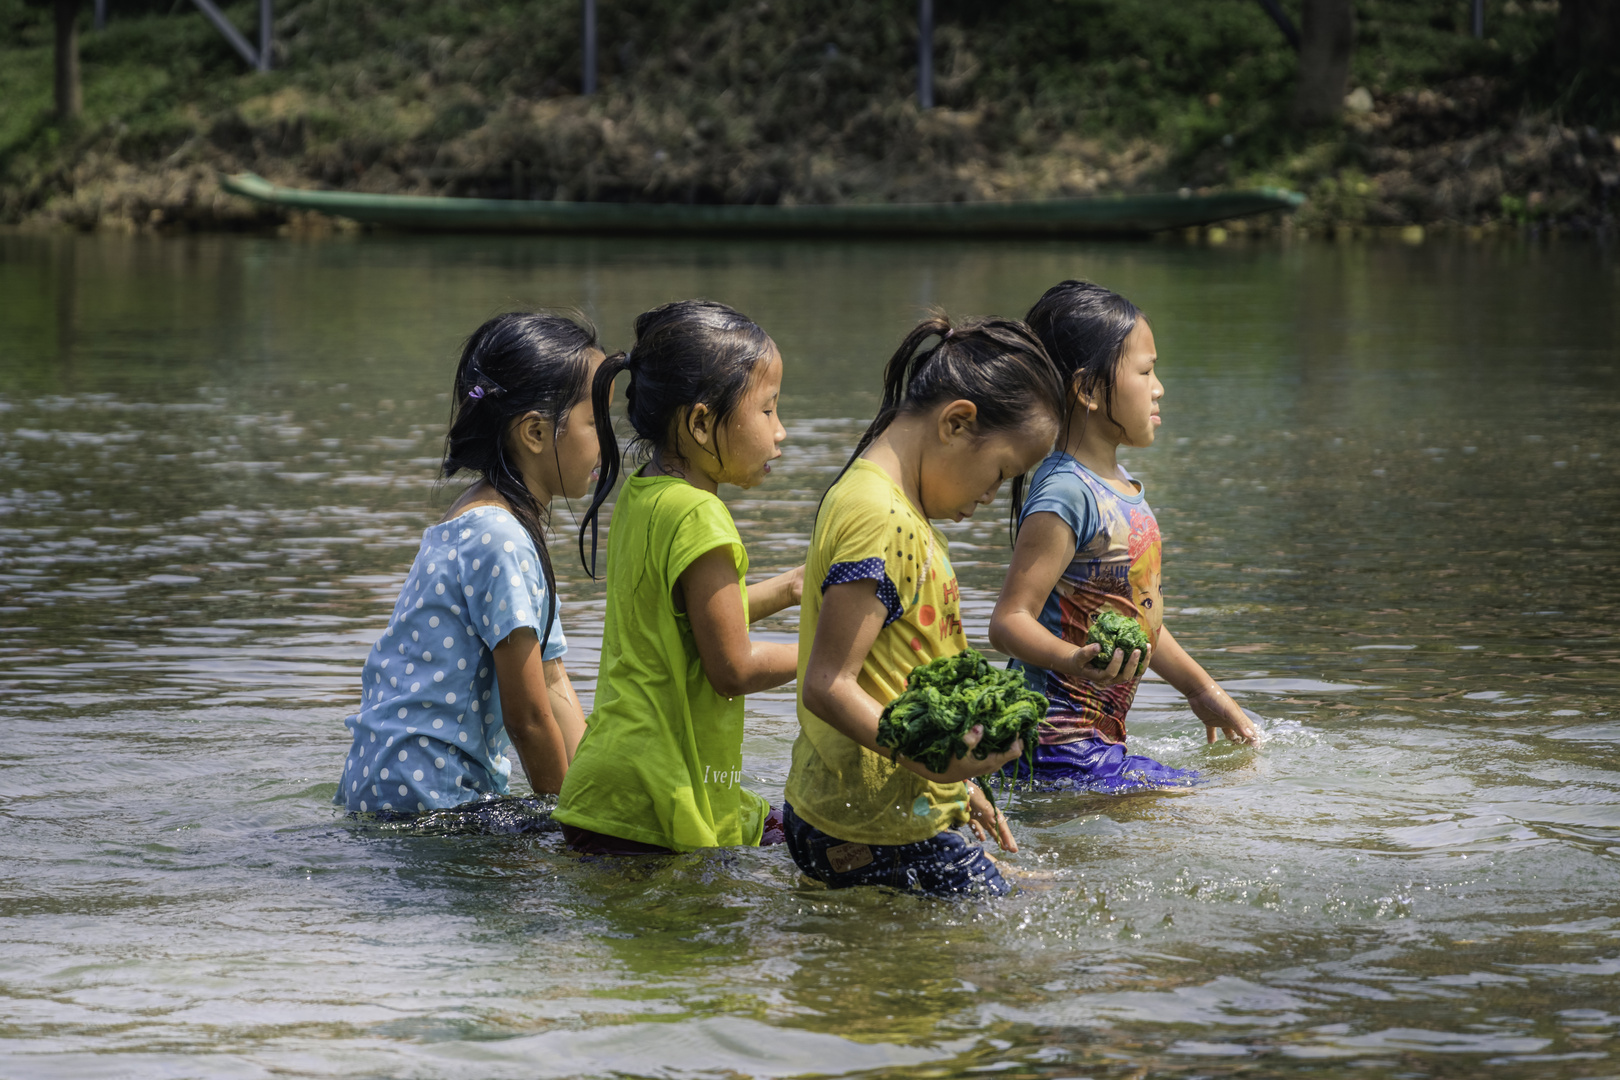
pixel 925 54
pixel 266 21
pixel 587 82
pixel 69 95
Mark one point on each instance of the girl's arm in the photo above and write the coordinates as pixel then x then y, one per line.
pixel 714 602
pixel 544 740
pixel 565 706
pixel 1044 549
pixel 1209 702
pixel 851 617
pixel 775 594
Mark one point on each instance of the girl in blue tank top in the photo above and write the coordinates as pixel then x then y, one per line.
pixel 1087 542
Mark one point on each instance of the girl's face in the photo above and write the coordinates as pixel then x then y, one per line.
pixel 573 461
pixel 969 468
pixel 750 439
pixel 1137 391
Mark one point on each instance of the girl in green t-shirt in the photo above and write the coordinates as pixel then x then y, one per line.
pixel 660 766
pixel 978 407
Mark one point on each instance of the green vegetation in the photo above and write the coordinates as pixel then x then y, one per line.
pixel 945 698
pixel 781 101
pixel 1114 631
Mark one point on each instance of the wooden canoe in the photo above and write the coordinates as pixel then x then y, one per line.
pixel 1102 215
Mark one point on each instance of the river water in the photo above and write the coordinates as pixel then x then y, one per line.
pixel 1387 479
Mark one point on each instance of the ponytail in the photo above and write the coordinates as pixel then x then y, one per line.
pixel 686 353
pixel 901 372
pixel 998 364
pixel 608 449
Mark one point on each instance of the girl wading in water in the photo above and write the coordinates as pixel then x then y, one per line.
pixel 660 766
pixel 959 418
pixel 471 661
pixel 1087 542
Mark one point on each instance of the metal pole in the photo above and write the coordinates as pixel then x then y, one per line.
pixel 101 14
pixel 266 18
pixel 925 54
pixel 588 75
pixel 1479 18
pixel 230 32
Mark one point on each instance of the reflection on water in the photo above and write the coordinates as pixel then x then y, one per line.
pixel 1387 479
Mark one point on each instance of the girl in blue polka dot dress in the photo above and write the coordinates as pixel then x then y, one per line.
pixel 470 664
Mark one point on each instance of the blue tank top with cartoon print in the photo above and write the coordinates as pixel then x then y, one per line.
pixel 1116 566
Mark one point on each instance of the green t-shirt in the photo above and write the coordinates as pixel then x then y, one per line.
pixel 661 760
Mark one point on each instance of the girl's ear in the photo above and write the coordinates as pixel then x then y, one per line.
pixel 957 420
pixel 700 424
pixel 532 432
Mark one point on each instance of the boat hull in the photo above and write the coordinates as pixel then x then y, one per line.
pixel 1097 216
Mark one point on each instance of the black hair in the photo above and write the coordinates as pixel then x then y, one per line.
pixel 512 365
pixel 688 353
pixel 998 364
pixel 1084 328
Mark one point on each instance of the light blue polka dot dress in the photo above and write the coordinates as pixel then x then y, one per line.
pixel 429 732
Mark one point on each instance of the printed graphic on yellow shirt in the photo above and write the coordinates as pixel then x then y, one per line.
pixel 939 623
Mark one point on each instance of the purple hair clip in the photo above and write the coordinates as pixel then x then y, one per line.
pixel 476 393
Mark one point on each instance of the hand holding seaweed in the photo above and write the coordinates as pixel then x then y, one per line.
pixel 947 698
pixel 1114 631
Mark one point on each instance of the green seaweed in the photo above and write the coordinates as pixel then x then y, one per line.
pixel 945 698
pixel 1113 631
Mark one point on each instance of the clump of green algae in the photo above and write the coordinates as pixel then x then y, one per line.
pixel 945 698
pixel 1113 631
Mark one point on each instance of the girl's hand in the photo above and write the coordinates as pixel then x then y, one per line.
pixel 986 820
pixel 1121 668
pixel 775 594
pixel 965 767
pixel 1219 712
pixel 542 715
pixel 851 617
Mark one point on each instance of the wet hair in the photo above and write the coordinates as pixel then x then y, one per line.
pixel 688 353
pixel 998 364
pixel 1084 328
pixel 512 365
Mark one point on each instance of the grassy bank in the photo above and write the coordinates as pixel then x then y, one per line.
pixel 783 101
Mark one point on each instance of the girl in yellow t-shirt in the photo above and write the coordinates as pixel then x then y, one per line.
pixel 978 407
pixel 660 765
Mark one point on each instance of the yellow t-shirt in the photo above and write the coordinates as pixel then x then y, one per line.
pixel 868 530
pixel 661 760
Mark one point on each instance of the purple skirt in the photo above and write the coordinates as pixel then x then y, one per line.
pixel 1095 765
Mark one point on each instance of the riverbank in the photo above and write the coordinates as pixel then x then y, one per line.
pixel 787 103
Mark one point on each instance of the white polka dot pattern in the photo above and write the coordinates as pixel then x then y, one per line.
pixel 868 570
pixel 448 759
